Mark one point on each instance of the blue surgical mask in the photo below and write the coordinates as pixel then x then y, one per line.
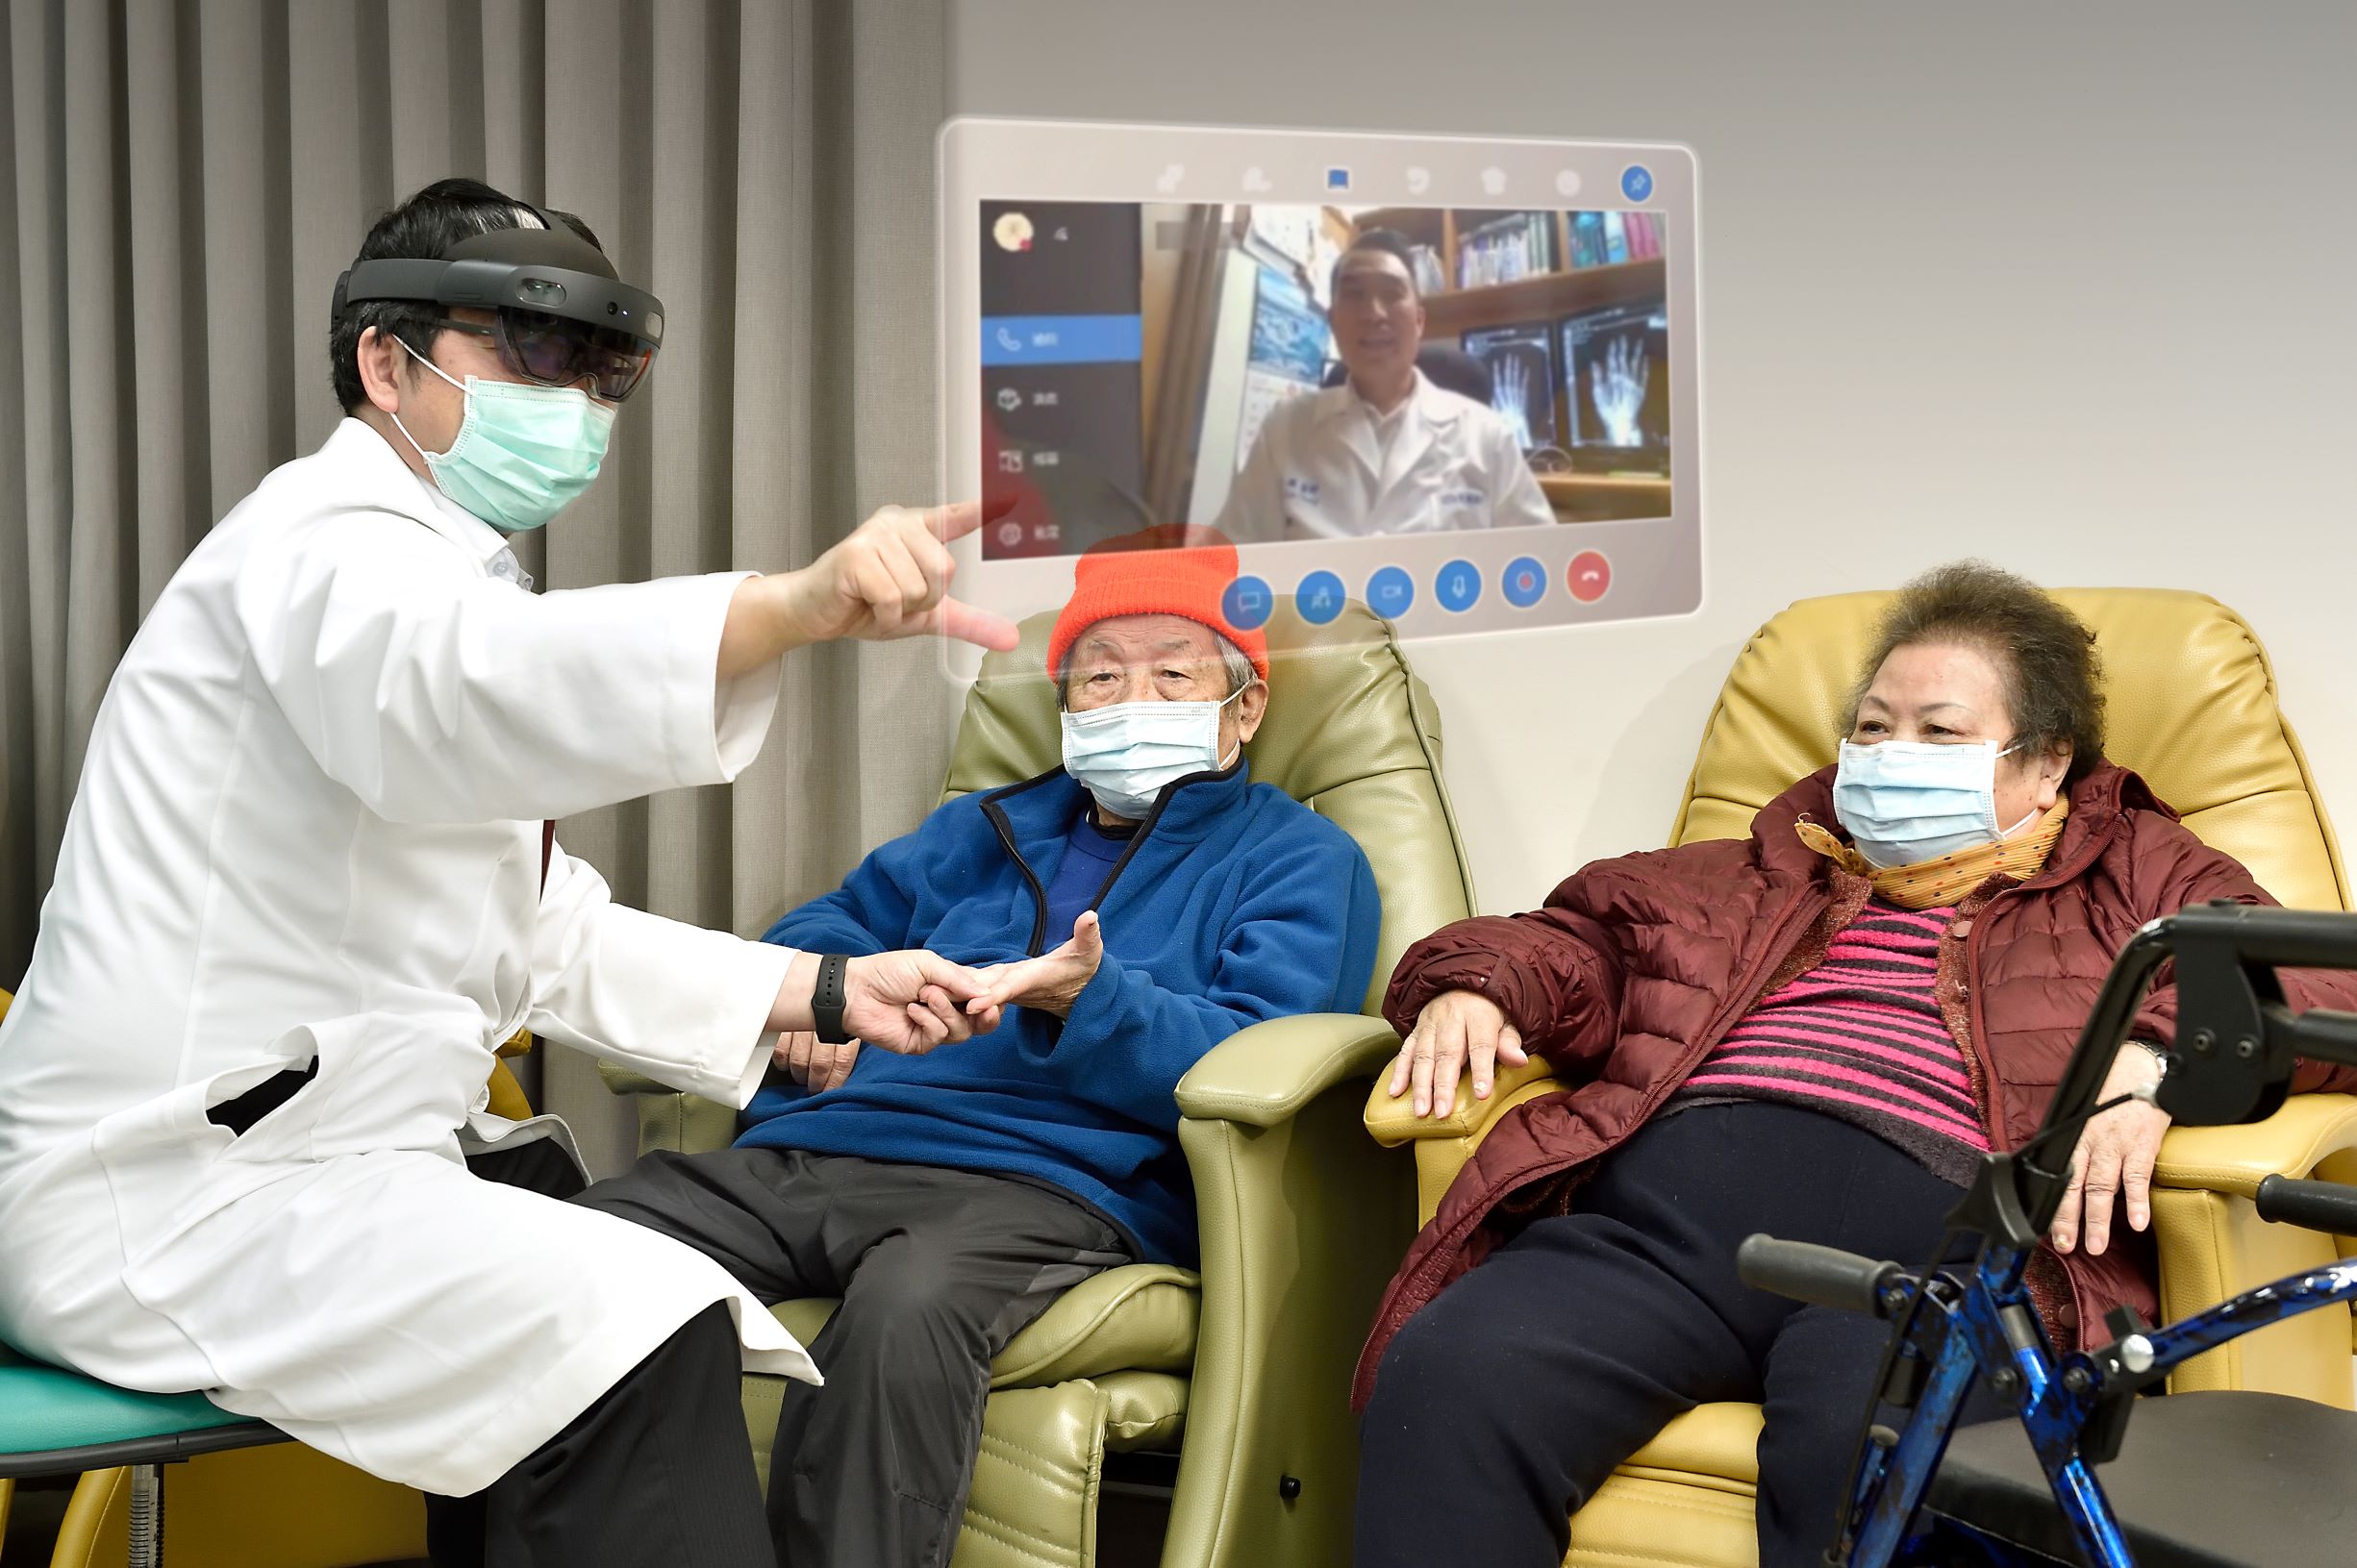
pixel 523 451
pixel 1906 801
pixel 1126 754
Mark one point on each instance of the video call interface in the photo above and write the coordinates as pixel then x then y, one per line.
pixel 1159 363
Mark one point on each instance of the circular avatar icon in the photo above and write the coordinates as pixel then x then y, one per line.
pixel 1012 232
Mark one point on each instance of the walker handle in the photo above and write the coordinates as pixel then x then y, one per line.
pixel 2313 1206
pixel 1823 1276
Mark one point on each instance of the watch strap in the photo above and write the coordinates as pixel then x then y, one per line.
pixel 827 997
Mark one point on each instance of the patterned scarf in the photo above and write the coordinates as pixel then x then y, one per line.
pixel 1950 877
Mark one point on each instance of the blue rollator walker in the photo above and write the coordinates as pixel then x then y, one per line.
pixel 2219 1479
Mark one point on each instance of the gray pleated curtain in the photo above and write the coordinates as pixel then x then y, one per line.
pixel 186 179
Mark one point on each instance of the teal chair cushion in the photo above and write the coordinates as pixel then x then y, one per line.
pixel 53 1421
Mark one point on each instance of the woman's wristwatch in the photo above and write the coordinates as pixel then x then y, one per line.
pixel 2160 1056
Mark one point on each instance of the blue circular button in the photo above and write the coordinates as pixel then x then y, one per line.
pixel 1390 591
pixel 1524 582
pixel 1246 603
pixel 1636 182
pixel 1319 598
pixel 1459 586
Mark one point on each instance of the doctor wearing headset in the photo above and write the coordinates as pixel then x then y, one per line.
pixel 306 888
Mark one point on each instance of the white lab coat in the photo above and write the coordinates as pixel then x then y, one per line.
pixel 1320 470
pixel 308 828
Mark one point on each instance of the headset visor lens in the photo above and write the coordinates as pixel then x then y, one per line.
pixel 559 351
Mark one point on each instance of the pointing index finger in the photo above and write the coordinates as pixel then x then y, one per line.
pixel 953 521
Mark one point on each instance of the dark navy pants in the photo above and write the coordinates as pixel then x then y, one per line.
pixel 1505 1402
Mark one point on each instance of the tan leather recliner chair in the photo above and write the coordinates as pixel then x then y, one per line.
pixel 1301 1218
pixel 2191 706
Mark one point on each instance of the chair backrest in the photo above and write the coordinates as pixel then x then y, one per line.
pixel 1351 733
pixel 2190 704
pixel 1451 369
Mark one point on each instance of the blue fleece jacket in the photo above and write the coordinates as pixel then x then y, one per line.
pixel 1234 904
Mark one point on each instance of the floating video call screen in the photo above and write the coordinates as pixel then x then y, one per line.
pixel 1454 380
pixel 1298 371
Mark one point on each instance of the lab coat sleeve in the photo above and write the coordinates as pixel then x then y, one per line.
pixel 1516 500
pixel 437 694
pixel 684 1006
pixel 1254 511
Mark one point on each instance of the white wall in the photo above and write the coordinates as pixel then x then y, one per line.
pixel 2073 289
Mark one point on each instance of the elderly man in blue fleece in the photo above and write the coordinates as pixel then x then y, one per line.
pixel 1142 903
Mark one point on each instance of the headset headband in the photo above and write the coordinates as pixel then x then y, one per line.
pixel 551 270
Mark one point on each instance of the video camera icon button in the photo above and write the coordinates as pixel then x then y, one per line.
pixel 1390 591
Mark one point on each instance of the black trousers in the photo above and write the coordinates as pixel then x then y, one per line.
pixel 654 1474
pixel 1503 1404
pixel 938 1269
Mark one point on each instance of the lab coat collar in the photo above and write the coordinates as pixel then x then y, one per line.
pixel 1426 403
pixel 1427 409
pixel 400 488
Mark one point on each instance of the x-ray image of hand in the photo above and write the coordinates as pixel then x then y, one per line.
pixel 1617 387
pixel 1514 398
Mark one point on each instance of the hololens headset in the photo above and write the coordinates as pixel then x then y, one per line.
pixel 562 311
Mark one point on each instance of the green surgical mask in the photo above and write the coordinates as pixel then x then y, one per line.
pixel 522 452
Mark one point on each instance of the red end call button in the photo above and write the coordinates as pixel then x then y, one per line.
pixel 1589 577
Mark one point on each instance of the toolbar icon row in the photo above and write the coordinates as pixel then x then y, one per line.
pixel 1391 590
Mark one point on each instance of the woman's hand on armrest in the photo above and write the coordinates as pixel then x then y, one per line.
pixel 1455 1031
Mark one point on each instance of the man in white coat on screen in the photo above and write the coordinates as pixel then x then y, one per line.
pixel 1386 453
pixel 306 888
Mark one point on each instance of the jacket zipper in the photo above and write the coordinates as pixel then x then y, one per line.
pixel 1772 952
pixel 1974 1031
pixel 1973 1026
pixel 1038 894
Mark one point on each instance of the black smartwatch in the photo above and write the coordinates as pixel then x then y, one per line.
pixel 827 999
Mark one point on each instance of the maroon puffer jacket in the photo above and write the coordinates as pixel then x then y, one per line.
pixel 1638 966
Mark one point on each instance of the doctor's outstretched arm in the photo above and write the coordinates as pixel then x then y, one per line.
pixel 890 579
pixel 701 1009
pixel 437 693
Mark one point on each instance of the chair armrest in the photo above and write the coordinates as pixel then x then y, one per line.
pixel 1302 1220
pixel 1262 1074
pixel 1394 1122
pixel 668 1119
pixel 2309 1129
pixel 2214 1245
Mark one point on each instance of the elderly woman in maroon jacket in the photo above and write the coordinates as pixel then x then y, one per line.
pixel 1813 1032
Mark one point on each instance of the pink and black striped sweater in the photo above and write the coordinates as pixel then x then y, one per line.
pixel 1860 1038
